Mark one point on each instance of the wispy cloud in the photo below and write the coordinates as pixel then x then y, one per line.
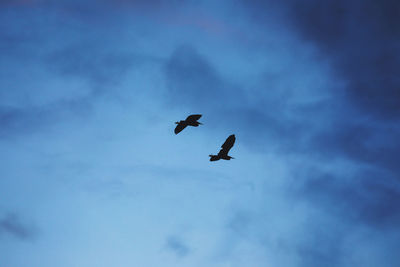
pixel 177 246
pixel 11 224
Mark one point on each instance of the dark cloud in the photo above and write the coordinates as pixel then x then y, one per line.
pixel 11 224
pixel 376 145
pixel 359 37
pixel 319 239
pixel 18 3
pixel 95 59
pixel 192 80
pixel 344 204
pixel 177 246
pixel 369 197
pixel 91 61
pixel 360 40
pixel 20 121
pixel 322 247
pixel 28 120
pixel 92 10
pixel 334 207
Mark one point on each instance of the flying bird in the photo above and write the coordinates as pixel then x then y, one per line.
pixel 223 153
pixel 190 121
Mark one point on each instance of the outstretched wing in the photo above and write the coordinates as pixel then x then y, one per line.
pixel 193 117
pixel 180 127
pixel 229 142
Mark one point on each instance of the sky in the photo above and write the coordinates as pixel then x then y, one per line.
pixel 92 173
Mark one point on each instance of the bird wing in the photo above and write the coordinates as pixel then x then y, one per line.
pixel 180 127
pixel 229 142
pixel 193 117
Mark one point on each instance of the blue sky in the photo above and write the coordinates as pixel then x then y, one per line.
pixel 93 175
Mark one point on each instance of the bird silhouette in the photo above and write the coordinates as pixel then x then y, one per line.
pixel 223 153
pixel 190 121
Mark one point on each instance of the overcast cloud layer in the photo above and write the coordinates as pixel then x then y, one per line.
pixel 93 175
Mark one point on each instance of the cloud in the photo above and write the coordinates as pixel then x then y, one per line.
pixel 69 70
pixel 357 125
pixel 339 206
pixel 92 62
pixel 192 80
pixel 11 224
pixel 177 246
pixel 322 248
pixel 321 218
pixel 28 120
pixel 14 121
pixel 373 144
pixel 369 197
pixel 360 38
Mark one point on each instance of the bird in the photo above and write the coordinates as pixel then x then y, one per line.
pixel 223 153
pixel 190 121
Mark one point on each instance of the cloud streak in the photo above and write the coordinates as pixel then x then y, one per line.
pixel 177 246
pixel 11 224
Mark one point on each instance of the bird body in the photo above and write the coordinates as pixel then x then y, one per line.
pixel 223 153
pixel 190 121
